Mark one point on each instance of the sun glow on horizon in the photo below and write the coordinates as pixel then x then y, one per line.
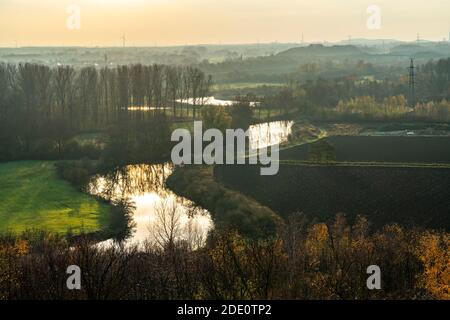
pixel 179 22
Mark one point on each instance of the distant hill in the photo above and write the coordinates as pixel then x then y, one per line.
pixel 408 49
pixel 319 50
pixel 251 63
pixel 422 49
pixel 371 42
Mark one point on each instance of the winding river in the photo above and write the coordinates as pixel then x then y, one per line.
pixel 159 214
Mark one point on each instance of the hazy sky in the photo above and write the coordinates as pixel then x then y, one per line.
pixel 174 22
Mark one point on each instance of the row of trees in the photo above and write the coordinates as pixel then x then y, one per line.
pixel 437 111
pixel 305 261
pixel 311 96
pixel 391 108
pixel 39 103
pixel 367 106
pixel 323 93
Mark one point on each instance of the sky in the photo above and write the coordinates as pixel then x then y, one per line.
pixel 180 22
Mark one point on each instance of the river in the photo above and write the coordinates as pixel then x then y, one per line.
pixel 160 214
pixel 212 101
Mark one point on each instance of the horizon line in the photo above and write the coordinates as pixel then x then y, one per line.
pixel 343 41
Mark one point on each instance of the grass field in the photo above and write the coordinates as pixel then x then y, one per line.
pixel 33 197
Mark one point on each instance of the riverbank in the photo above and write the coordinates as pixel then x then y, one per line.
pixel 228 208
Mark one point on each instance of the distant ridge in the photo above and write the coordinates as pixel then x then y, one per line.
pixel 320 50
pixel 371 42
pixel 429 49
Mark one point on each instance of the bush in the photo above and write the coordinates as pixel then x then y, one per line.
pixel 146 141
pixel 215 117
pixel 241 115
pixel 77 173
pixel 74 150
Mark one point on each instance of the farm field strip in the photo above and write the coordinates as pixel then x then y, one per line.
pixel 366 164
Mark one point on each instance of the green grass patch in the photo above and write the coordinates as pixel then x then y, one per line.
pixel 32 196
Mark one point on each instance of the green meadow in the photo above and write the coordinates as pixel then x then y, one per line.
pixel 32 196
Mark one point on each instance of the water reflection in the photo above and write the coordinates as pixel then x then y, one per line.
pixel 159 216
pixel 212 101
pixel 267 134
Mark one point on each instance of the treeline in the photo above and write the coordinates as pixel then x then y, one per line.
pixel 305 261
pixel 43 108
pixel 311 96
pixel 433 81
pixel 437 111
pixel 367 108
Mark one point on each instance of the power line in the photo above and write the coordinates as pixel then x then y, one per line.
pixel 412 84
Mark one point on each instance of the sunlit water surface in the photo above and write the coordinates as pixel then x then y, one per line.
pixel 212 101
pixel 267 134
pixel 158 213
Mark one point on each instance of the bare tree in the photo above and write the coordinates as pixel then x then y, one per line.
pixel 167 227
